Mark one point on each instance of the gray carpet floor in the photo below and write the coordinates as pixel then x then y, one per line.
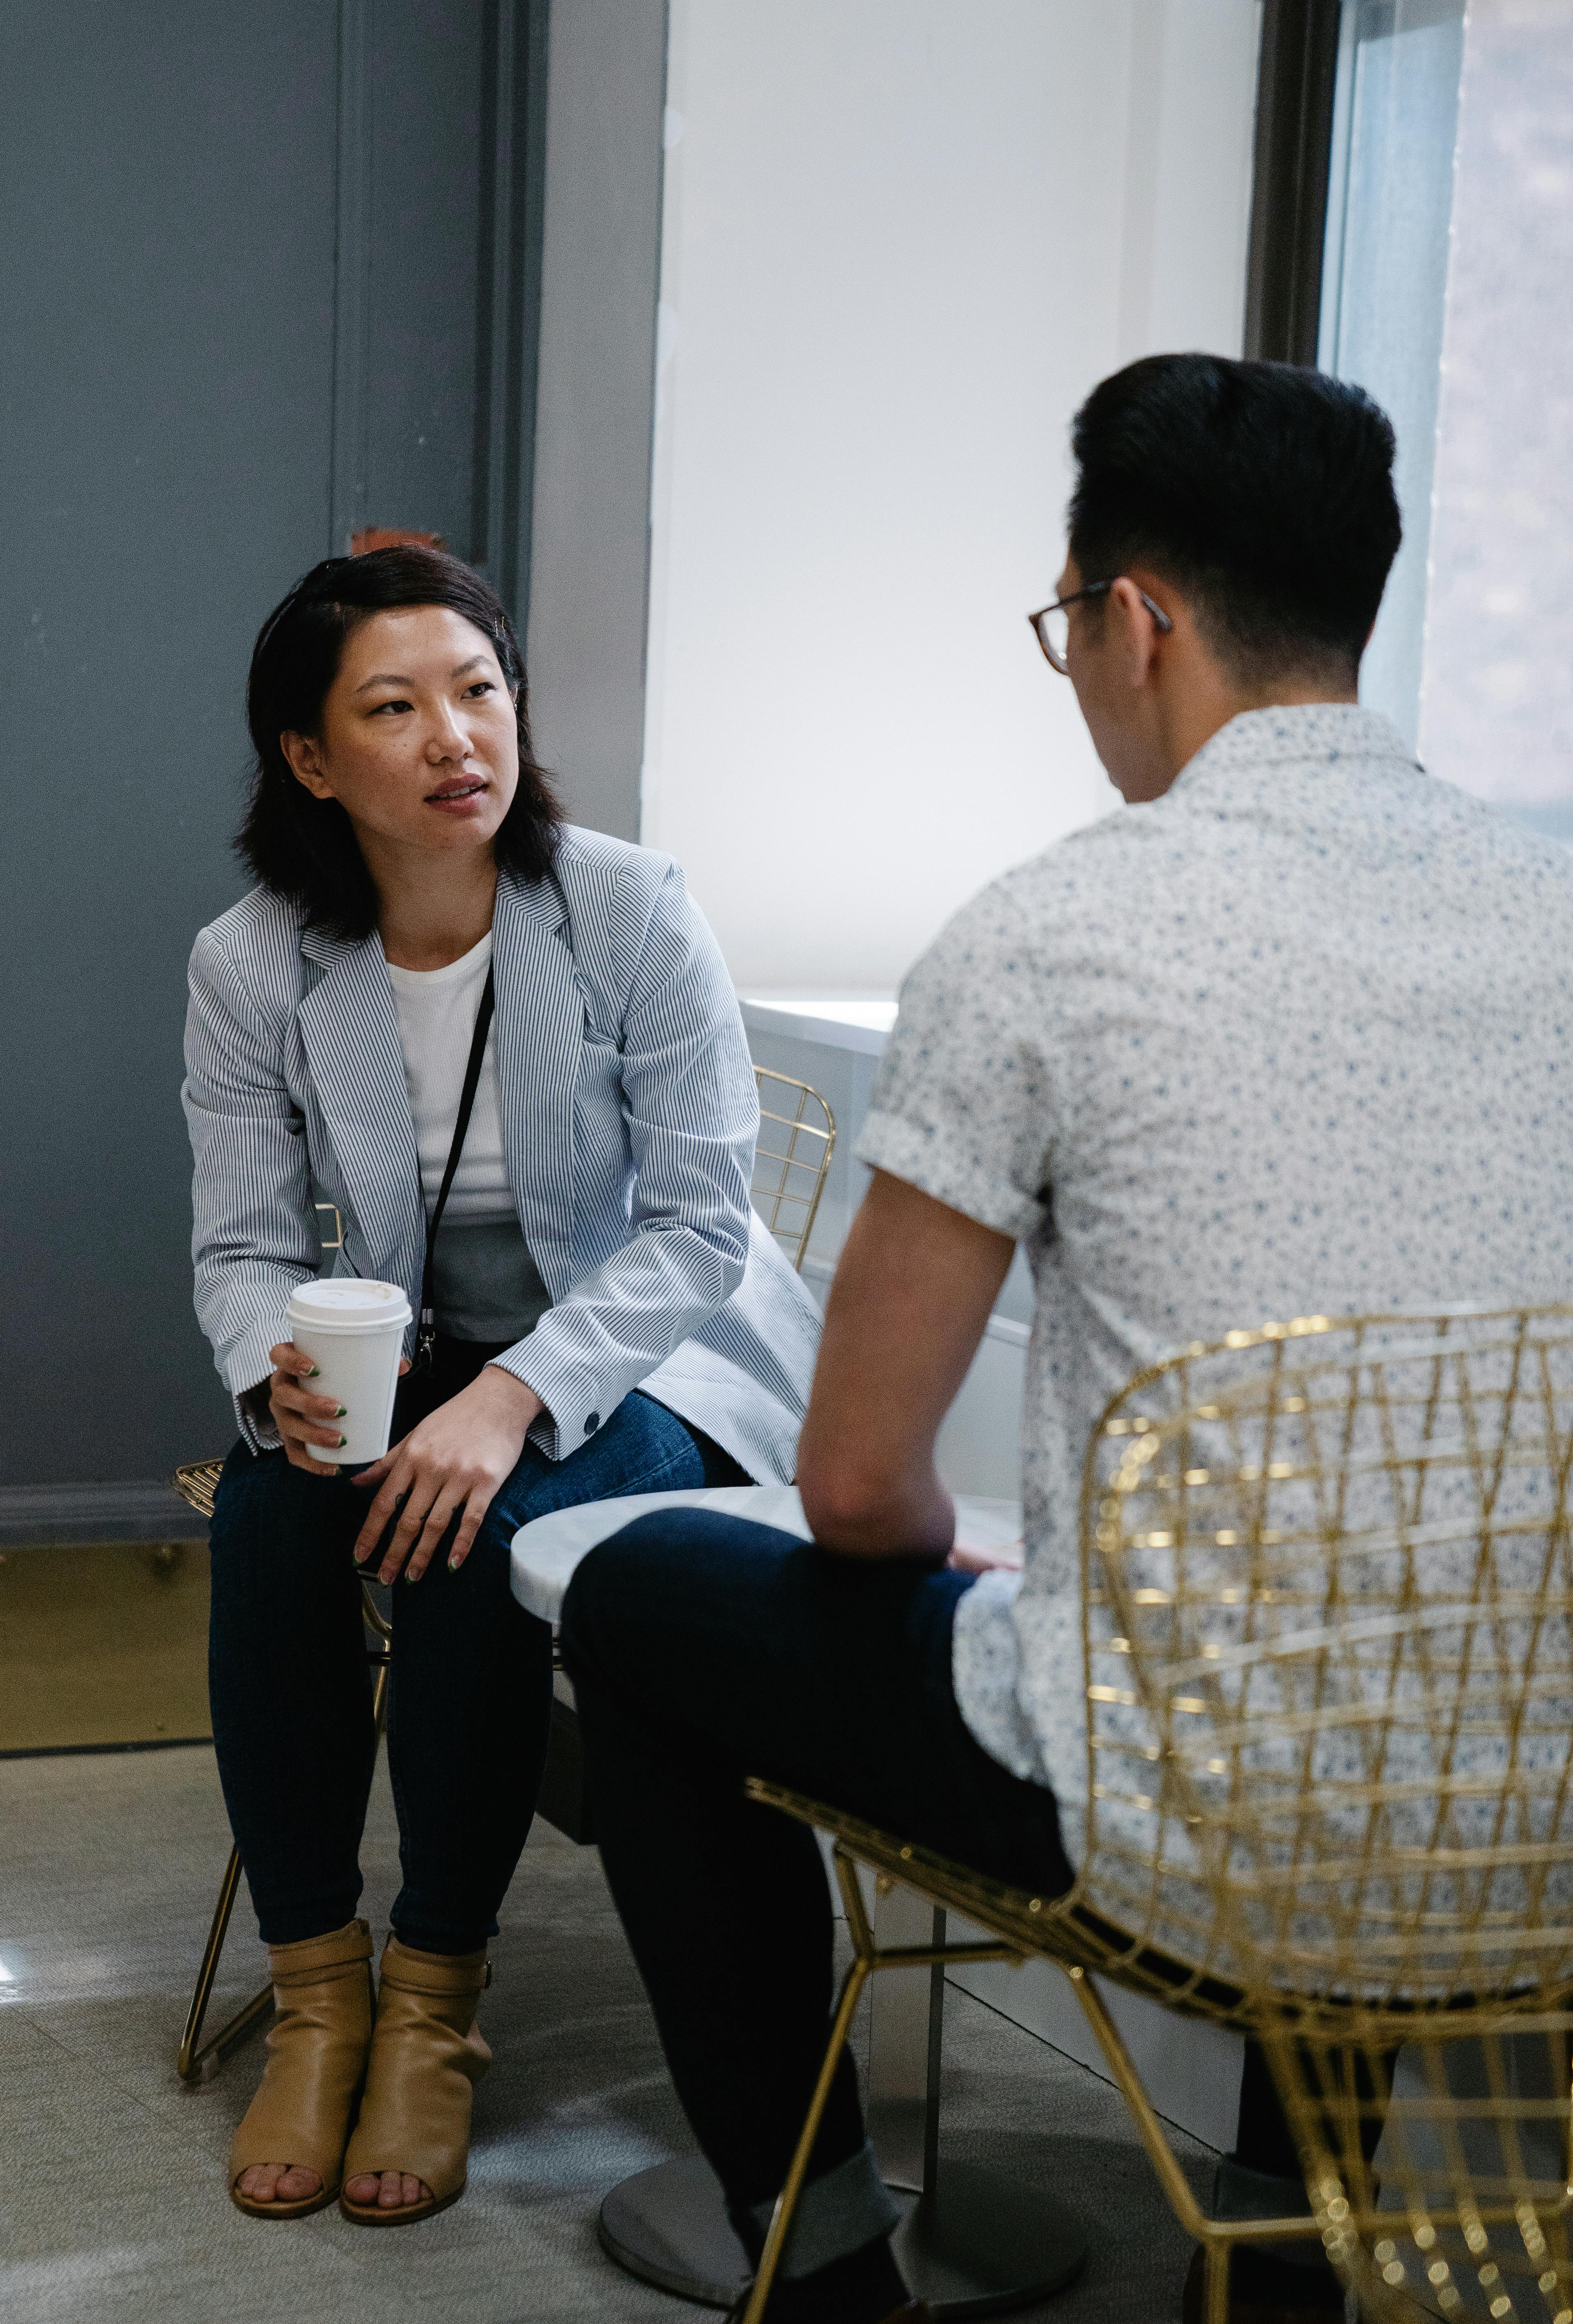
pixel 112 2199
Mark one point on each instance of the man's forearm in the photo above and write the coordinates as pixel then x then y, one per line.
pixel 904 1517
pixel 912 1293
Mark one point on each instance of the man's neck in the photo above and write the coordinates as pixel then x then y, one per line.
pixel 431 908
pixel 1194 715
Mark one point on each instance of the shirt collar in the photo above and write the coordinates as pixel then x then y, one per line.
pixel 1300 734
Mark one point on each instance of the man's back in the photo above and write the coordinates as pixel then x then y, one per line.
pixel 1291 1039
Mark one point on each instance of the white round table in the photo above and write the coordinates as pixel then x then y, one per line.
pixel 547 1549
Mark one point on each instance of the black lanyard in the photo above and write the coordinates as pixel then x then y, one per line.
pixel 428 1336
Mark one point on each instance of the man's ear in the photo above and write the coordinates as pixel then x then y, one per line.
pixel 1133 633
pixel 304 763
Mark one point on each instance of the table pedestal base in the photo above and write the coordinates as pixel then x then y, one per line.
pixel 979 2245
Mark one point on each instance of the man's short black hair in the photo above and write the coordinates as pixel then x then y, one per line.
pixel 1264 492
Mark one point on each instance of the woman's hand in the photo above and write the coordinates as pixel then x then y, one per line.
pixel 455 1461
pixel 300 1416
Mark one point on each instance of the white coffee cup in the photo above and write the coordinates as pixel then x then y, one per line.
pixel 353 1332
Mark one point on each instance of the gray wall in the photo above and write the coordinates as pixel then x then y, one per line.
pixel 168 338
pixel 600 277
pixel 264 273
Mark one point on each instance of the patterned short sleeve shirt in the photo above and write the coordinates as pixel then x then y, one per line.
pixel 1296 1037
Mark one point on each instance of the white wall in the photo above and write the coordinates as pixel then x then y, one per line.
pixel 901 240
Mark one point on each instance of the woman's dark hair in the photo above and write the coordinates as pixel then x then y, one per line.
pixel 1262 491
pixel 305 848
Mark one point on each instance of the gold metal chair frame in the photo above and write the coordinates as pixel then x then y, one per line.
pixel 790 1178
pixel 1021 1927
pixel 1328 1570
pixel 791 1160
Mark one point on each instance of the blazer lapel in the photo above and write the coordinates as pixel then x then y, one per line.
pixel 351 1036
pixel 540 1036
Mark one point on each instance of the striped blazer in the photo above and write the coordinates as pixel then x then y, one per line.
pixel 628 1115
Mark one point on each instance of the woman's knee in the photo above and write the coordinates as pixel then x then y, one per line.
pixel 471 1607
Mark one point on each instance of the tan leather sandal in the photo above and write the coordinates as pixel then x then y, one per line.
pixel 316 2062
pixel 427 2057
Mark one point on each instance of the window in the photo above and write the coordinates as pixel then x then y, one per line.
pixel 1416 197
pixel 1384 279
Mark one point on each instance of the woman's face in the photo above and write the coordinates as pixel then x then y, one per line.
pixel 418 740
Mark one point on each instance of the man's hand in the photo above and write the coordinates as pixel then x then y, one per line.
pixel 971 1557
pixel 455 1461
pixel 914 1286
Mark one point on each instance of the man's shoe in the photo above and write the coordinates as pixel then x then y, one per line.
pixel 1262 2291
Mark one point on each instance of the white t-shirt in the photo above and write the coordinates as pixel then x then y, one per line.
pixel 487 1287
pixel 436 1022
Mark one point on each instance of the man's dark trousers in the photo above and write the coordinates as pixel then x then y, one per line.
pixel 704 1649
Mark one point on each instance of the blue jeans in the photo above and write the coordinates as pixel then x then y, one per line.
pixel 470 1704
pixel 704 1649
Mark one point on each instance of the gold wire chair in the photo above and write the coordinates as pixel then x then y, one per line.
pixel 1327 1618
pixel 792 1160
pixel 792 1163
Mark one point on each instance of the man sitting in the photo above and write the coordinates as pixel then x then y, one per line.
pixel 1292 1035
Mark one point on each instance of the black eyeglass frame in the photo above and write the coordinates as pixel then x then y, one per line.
pixel 1093 589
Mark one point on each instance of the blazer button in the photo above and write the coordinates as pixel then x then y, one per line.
pixel 592 1422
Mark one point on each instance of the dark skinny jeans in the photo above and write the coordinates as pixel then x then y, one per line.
pixel 470 1700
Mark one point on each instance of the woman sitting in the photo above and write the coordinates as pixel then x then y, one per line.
pixel 603 1315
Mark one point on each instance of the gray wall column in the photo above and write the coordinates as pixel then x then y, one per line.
pixel 600 280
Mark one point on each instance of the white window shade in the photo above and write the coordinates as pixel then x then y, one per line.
pixel 1497 704
pixel 1445 291
pixel 1384 279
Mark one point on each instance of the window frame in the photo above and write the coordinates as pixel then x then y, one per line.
pixel 1297 77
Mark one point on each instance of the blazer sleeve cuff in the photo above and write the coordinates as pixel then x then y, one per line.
pixel 576 1402
pixel 247 1366
pixel 262 1436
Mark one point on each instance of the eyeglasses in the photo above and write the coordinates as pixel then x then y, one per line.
pixel 1051 624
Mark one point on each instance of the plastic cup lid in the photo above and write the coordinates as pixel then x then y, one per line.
pixel 350 1302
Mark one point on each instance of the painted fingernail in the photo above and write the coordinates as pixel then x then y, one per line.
pixel 342 1413
pixel 455 1563
pixel 343 1442
pixel 410 1577
pixel 314 1373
